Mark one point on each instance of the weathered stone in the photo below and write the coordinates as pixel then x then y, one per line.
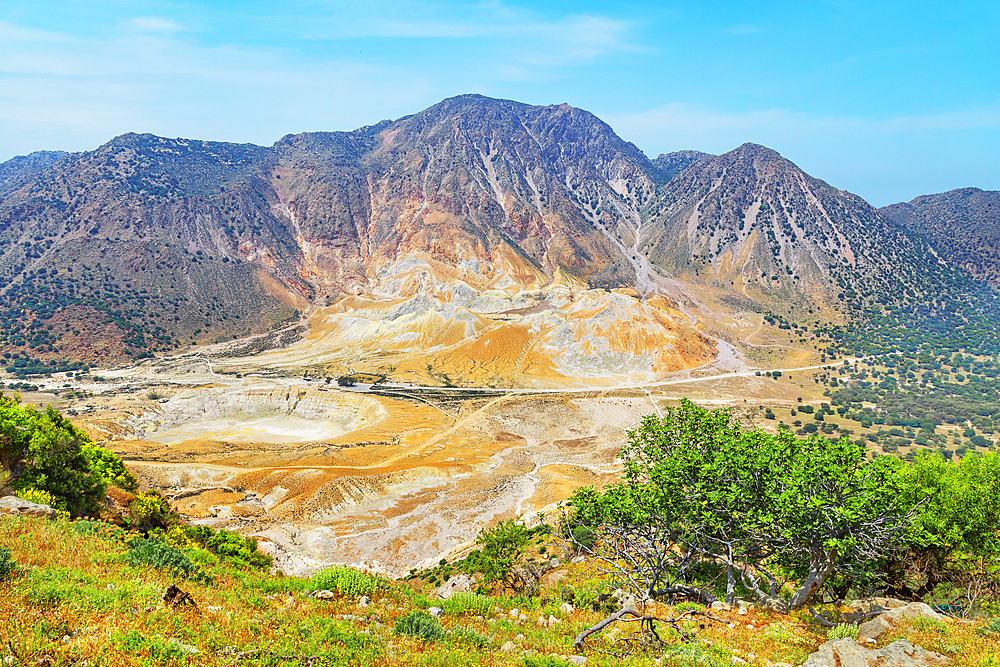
pixel 435 611
pixel 865 604
pixel 14 506
pixel 775 603
pixel 577 659
pixel 878 625
pixel 552 578
pixel 553 621
pixel 719 605
pixel 508 648
pixel 566 608
pixel 845 652
pixel 324 595
pixel 541 622
pixel 459 583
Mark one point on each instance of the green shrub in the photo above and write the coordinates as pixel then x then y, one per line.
pixel 8 567
pixel 842 630
pixel 991 629
pixel 154 551
pixel 463 603
pixel 470 637
pixel 109 467
pixel 419 624
pixel 347 581
pixel 544 661
pixel 150 509
pixel 239 550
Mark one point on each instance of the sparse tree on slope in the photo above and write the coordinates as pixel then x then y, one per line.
pixel 697 487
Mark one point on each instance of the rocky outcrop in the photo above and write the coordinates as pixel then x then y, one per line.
pixel 846 652
pixel 877 626
pixel 459 583
pixel 14 506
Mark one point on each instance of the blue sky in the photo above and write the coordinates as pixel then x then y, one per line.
pixel 889 100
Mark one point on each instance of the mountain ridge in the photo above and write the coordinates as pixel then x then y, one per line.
pixel 471 202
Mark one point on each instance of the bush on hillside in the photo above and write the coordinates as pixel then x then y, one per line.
pixel 419 624
pixel 44 452
pixel 8 567
pixel 109 467
pixel 347 581
pixel 157 553
pixel 151 510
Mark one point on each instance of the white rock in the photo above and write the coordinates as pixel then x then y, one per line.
pixel 507 648
pixel 522 618
pixel 742 611
pixel 541 622
pixel 324 595
pixel 519 637
pixel 566 608
pixel 553 620
pixel 514 612
pixel 435 611
pixel 577 659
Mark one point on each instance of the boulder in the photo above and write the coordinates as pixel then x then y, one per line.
pixel 878 625
pixel 566 608
pixel 866 604
pixel 552 578
pixel 459 583
pixel 435 611
pixel 845 652
pixel 14 506
pixel 719 605
pixel 324 595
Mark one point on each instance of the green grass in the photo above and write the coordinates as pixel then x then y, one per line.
pixel 76 599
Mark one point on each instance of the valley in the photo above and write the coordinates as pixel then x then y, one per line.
pixel 367 346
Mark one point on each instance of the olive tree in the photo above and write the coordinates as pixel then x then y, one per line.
pixel 697 487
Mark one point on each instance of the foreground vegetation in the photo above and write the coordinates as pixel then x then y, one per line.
pixel 79 597
pixel 706 510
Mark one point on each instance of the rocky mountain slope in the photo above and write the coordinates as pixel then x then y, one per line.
pixel 964 225
pixel 473 217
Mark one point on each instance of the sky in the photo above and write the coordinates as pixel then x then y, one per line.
pixel 889 100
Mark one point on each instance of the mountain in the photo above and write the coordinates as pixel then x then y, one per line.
pixel 480 241
pixel 964 225
pixel 18 170
pixel 753 226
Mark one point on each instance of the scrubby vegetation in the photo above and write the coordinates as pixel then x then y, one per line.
pixel 706 509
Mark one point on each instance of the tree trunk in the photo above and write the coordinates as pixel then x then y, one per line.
pixel 820 568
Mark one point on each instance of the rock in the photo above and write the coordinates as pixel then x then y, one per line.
pixel 626 601
pixel 508 648
pixel 878 625
pixel 514 612
pixel 458 583
pixel 553 620
pixel 566 608
pixel 845 652
pixel 578 559
pixel 742 611
pixel 435 611
pixel 554 562
pixel 14 506
pixel 522 618
pixel 719 605
pixel 364 600
pixel 519 637
pixel 775 603
pixel 552 578
pixel 866 604
pixel 541 622
pixel 324 595
pixel 577 659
